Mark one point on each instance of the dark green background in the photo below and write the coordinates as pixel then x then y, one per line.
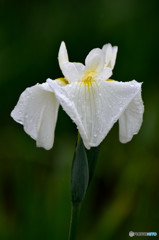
pixel 34 183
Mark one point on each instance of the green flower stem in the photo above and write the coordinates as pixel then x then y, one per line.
pixel 74 220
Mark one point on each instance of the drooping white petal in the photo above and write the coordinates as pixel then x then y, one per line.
pixel 131 119
pixel 95 106
pixel 95 60
pixel 37 110
pixel 62 55
pixel 110 55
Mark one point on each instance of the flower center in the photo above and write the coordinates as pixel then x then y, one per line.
pixel 88 77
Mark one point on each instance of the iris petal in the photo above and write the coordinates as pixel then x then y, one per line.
pixel 95 60
pixel 62 55
pixel 95 106
pixel 37 110
pixel 110 55
pixel 131 119
pixel 71 71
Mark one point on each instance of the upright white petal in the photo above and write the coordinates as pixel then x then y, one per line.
pixel 37 110
pixel 95 106
pixel 62 55
pixel 114 55
pixel 96 64
pixel 95 51
pixel 104 75
pixel 110 55
pixel 95 60
pixel 71 71
pixel 131 119
pixel 79 66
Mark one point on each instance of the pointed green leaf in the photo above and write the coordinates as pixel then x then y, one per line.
pixel 79 173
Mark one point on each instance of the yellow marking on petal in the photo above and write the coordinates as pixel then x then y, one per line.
pixel 110 79
pixel 88 86
pixel 63 80
pixel 87 81
pixel 88 77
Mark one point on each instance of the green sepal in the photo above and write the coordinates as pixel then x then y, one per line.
pixel 92 156
pixel 79 173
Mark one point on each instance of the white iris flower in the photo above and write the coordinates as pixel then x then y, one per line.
pixel 92 100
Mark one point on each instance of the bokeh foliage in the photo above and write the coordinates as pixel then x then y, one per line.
pixel 34 183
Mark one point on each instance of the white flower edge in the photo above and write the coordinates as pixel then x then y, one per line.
pixel 96 107
pixel 37 111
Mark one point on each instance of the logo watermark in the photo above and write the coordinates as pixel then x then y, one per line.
pixel 150 234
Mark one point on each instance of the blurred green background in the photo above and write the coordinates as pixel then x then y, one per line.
pixel 34 183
